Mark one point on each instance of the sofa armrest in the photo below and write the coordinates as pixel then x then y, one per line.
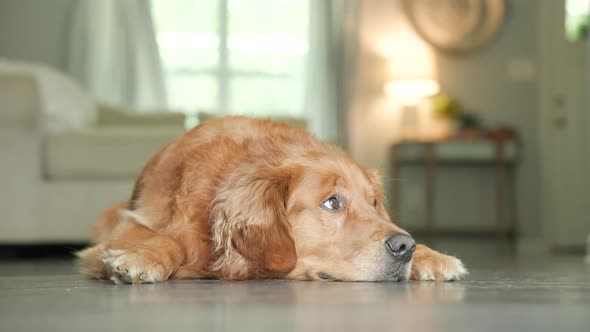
pixel 19 101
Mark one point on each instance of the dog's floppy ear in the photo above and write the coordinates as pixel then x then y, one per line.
pixel 250 217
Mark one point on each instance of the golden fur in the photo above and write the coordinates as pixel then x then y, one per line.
pixel 238 198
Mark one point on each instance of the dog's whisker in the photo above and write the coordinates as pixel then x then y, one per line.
pixel 391 179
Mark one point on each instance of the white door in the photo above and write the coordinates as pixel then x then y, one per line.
pixel 564 102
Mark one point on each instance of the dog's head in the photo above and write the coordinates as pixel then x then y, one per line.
pixel 319 217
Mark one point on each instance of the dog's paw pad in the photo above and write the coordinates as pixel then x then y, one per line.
pixel 132 268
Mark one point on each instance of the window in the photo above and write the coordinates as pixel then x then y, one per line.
pixel 577 17
pixel 233 56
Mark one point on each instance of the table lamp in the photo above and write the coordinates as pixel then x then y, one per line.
pixel 409 92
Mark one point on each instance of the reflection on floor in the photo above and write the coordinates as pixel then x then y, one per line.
pixel 545 293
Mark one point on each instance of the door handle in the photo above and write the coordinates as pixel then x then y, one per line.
pixel 560 122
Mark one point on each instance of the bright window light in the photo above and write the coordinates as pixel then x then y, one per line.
pixel 234 56
pixel 577 17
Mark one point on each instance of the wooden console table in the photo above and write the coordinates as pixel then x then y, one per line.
pixel 501 154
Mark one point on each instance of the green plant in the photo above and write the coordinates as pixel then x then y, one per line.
pixel 444 105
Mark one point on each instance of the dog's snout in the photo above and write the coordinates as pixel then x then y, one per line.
pixel 401 246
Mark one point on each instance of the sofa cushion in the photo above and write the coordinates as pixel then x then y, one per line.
pixel 292 121
pixel 103 152
pixel 117 116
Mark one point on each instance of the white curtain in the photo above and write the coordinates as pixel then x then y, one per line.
pixel 114 54
pixel 333 31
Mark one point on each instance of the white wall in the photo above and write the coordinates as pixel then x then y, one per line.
pixel 480 80
pixel 34 30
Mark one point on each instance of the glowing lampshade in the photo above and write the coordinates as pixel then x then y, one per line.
pixel 411 91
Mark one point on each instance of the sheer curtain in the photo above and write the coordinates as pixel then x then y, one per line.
pixel 113 53
pixel 333 27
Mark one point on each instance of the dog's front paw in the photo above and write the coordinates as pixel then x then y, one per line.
pixel 432 265
pixel 129 267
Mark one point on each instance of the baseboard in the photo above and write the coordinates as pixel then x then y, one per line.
pixel 533 246
pixel 39 251
pixel 569 250
pixel 460 232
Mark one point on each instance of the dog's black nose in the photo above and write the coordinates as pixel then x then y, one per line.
pixel 401 247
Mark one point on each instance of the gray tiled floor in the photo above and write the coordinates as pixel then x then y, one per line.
pixel 551 294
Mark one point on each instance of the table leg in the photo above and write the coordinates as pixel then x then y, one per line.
pixel 500 184
pixel 513 207
pixel 430 189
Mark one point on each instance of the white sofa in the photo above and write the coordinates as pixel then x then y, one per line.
pixel 53 184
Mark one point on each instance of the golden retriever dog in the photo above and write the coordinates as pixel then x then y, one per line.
pixel 237 198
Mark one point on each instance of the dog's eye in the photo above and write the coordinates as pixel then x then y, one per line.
pixel 375 203
pixel 333 203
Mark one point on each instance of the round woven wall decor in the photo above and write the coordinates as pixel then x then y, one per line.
pixel 456 25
